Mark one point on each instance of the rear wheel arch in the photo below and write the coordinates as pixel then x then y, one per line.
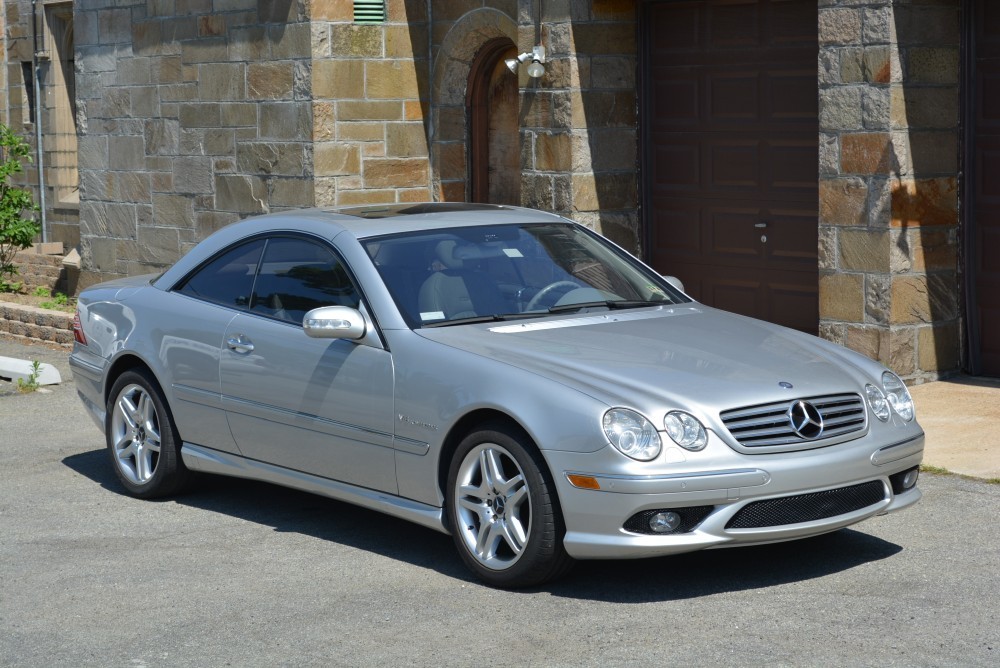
pixel 123 363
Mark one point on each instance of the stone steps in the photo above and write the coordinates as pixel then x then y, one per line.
pixel 36 270
pixel 29 324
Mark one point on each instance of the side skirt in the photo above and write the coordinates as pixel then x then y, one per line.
pixel 206 460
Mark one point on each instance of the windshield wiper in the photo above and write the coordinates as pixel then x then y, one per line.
pixel 611 304
pixel 496 317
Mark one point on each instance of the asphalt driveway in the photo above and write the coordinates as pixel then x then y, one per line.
pixel 243 573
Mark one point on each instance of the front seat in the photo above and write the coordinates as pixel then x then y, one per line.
pixel 455 292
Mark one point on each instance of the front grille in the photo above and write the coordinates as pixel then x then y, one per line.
pixel 768 425
pixel 807 507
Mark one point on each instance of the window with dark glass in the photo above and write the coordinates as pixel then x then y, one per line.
pixel 297 276
pixel 228 279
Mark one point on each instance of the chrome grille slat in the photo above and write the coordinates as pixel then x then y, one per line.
pixel 768 426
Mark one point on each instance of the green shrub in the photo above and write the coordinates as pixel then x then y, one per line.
pixel 16 231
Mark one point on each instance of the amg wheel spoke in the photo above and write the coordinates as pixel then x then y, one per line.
pixel 513 533
pixel 128 411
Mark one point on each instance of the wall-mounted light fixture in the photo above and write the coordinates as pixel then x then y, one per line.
pixel 537 58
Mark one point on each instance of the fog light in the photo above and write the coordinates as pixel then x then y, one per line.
pixel 910 479
pixel 664 522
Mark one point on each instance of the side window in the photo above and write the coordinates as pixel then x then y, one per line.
pixel 297 276
pixel 228 279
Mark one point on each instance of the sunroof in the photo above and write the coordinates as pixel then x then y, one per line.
pixel 393 210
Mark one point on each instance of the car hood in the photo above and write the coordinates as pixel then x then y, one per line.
pixel 690 357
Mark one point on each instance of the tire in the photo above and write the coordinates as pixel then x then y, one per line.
pixel 142 438
pixel 503 510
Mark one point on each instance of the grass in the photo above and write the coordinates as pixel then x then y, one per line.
pixel 939 470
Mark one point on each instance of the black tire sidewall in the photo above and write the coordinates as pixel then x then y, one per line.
pixel 543 547
pixel 170 470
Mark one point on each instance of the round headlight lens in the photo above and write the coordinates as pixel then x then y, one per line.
pixel 632 434
pixel 898 396
pixel 685 430
pixel 878 402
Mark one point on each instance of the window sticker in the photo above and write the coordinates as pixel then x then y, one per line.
pixel 512 252
pixel 431 315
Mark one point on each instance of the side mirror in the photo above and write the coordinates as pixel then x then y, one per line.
pixel 334 322
pixel 674 281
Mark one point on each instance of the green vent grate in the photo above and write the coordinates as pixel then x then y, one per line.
pixel 369 11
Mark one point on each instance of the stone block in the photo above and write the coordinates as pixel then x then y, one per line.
pixel 933 65
pixel 109 219
pixel 877 64
pixel 285 159
pixel 362 132
pixel 877 25
pixel 131 186
pixel 450 160
pixel 934 152
pixel 840 108
pixel 924 202
pixel 338 79
pixel 290 40
pixel 865 250
pixel 938 348
pixel 335 159
pixel 927 24
pixel 875 108
pixel 866 153
pixel 829 155
pixel 395 172
pixel 595 192
pixel 361 197
pixel 414 195
pixel 914 107
pixel 193 175
pixel 161 136
pixel 395 79
pixel 205 50
pixel 843 202
pixel 200 115
pixel 554 151
pixel 171 210
pixel 92 152
pixel 286 120
pixel 292 192
pixel 841 297
pixel 238 114
pixel 841 65
pixel 158 245
pixel 332 10
pixel 207 222
pixel 241 193
pixel 249 44
pixel 222 81
pixel 928 298
pixel 270 81
pixel 219 142
pixel 840 26
pixel 126 152
pixel 877 298
pixel 359 41
pixel 902 351
pixel 405 140
pixel 364 110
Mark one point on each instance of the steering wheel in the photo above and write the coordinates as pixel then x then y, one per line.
pixel 544 292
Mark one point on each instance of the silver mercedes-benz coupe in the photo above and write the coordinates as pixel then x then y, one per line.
pixel 500 374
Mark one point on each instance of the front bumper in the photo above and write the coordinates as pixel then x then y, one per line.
pixel 595 518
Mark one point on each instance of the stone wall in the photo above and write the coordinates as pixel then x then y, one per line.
pixel 889 137
pixel 194 114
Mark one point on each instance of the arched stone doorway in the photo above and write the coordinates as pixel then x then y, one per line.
pixel 494 148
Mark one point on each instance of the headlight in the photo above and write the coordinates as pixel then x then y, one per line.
pixel 632 434
pixel 878 402
pixel 898 396
pixel 685 430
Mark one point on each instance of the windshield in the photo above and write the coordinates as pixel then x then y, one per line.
pixel 502 272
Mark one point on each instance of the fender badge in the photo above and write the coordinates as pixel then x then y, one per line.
pixel 785 384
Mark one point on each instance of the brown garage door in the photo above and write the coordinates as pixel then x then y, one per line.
pixel 732 157
pixel 984 249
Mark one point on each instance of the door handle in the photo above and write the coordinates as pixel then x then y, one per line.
pixel 239 344
pixel 762 224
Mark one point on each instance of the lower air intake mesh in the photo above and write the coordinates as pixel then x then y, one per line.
pixel 807 507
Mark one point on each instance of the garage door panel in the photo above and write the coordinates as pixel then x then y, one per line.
pixel 733 24
pixel 792 96
pixel 984 252
pixel 742 150
pixel 733 96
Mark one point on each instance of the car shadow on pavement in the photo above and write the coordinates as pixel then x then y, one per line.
pixel 622 581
